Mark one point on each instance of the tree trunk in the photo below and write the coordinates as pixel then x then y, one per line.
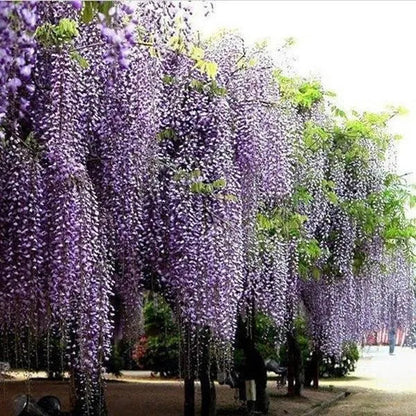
pixel 189 405
pixel 208 394
pixel 316 358
pixel 294 366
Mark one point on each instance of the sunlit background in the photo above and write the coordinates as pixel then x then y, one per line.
pixel 362 50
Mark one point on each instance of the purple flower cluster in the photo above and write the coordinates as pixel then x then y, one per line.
pixel 357 292
pixel 261 157
pixel 17 54
pixel 119 35
pixel 73 172
pixel 197 223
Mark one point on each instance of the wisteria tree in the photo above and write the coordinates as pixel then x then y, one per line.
pixel 77 138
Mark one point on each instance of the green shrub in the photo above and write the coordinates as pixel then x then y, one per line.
pixel 158 349
pixel 340 367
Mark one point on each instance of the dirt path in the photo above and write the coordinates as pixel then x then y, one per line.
pixel 157 398
pixel 381 385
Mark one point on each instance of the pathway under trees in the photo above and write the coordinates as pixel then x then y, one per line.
pixel 381 385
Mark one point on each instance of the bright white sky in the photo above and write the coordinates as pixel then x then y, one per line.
pixel 363 50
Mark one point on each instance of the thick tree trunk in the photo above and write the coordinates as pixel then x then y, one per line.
pixel 294 366
pixel 208 395
pixel 316 359
pixel 189 405
pixel 312 370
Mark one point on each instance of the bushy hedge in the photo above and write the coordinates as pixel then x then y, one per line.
pixel 340 367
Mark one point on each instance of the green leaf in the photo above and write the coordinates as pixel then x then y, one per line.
pixel 308 94
pixel 207 67
pixel 166 134
pixel 412 201
pixel 302 195
pixel 230 197
pixel 180 174
pixel 177 44
pixel 88 11
pixel 83 63
pixel 168 79
pixel 197 85
pixel 197 187
pixel 196 53
pixel 104 6
pixel 216 90
pixel 219 183
pixel 54 35
pixel 196 173
pixel 332 197
pixel 316 273
pixel 211 69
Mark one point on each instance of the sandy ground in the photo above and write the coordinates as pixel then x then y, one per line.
pixel 381 385
pixel 157 398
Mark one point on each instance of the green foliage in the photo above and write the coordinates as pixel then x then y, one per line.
pixel 168 79
pixel 162 347
pixel 166 134
pixel 289 42
pixel 329 366
pixel 302 338
pixel 329 191
pixel 340 367
pixel 55 35
pixel 177 44
pixel 281 221
pixel 308 94
pixel 337 112
pixel 301 195
pixel 245 63
pixel 189 175
pixel 92 8
pixel 384 213
pixel 198 186
pixel 315 137
pixel 302 93
pixel 208 188
pixel 309 253
pixel 208 87
pixel 351 133
pixel 265 337
pixel 354 141
pixel 397 229
pixel 207 67
pixel 287 85
pixel 77 57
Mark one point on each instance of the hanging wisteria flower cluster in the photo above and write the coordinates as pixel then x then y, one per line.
pixel 360 233
pixel 77 139
pixel 17 54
